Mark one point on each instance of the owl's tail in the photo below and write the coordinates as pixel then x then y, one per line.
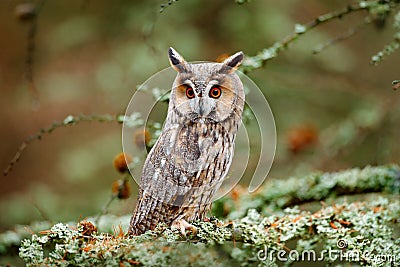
pixel 148 212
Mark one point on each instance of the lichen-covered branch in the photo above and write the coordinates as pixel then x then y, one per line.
pixel 164 6
pixel 387 50
pixel 272 198
pixel 250 234
pixel 376 8
pixel 278 194
pixel 365 228
pixel 392 46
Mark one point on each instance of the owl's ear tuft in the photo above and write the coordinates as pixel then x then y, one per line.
pixel 177 61
pixel 232 63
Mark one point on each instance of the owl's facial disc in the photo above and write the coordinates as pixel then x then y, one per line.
pixel 207 92
pixel 201 102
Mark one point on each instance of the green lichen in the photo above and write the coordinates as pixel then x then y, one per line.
pixel 394 45
pixel 255 230
pixel 365 228
pixel 278 194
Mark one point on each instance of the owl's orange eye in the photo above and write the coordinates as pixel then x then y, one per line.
pixel 215 91
pixel 189 92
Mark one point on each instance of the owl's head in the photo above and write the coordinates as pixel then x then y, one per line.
pixel 206 91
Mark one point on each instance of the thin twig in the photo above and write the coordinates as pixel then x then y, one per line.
pixel 69 120
pixel 104 209
pixel 350 32
pixel 30 52
pixel 42 213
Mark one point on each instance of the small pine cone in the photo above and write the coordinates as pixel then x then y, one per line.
pixel 301 137
pixel 121 189
pixel 121 162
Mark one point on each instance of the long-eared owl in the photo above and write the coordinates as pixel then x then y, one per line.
pixel 192 156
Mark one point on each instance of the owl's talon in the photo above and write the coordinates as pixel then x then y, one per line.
pixel 183 225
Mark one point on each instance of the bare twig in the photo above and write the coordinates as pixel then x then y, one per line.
pixel 104 210
pixel 69 120
pixel 30 12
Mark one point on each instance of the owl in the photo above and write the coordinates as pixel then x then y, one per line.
pixel 193 154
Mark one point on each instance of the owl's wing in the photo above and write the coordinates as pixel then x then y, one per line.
pixel 156 188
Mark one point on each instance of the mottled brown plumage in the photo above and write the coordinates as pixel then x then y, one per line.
pixel 192 156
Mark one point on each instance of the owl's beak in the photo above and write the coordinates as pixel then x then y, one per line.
pixel 202 108
pixel 200 105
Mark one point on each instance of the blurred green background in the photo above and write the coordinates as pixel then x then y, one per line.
pixel 333 110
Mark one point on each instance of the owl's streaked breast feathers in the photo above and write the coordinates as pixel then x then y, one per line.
pixel 192 156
